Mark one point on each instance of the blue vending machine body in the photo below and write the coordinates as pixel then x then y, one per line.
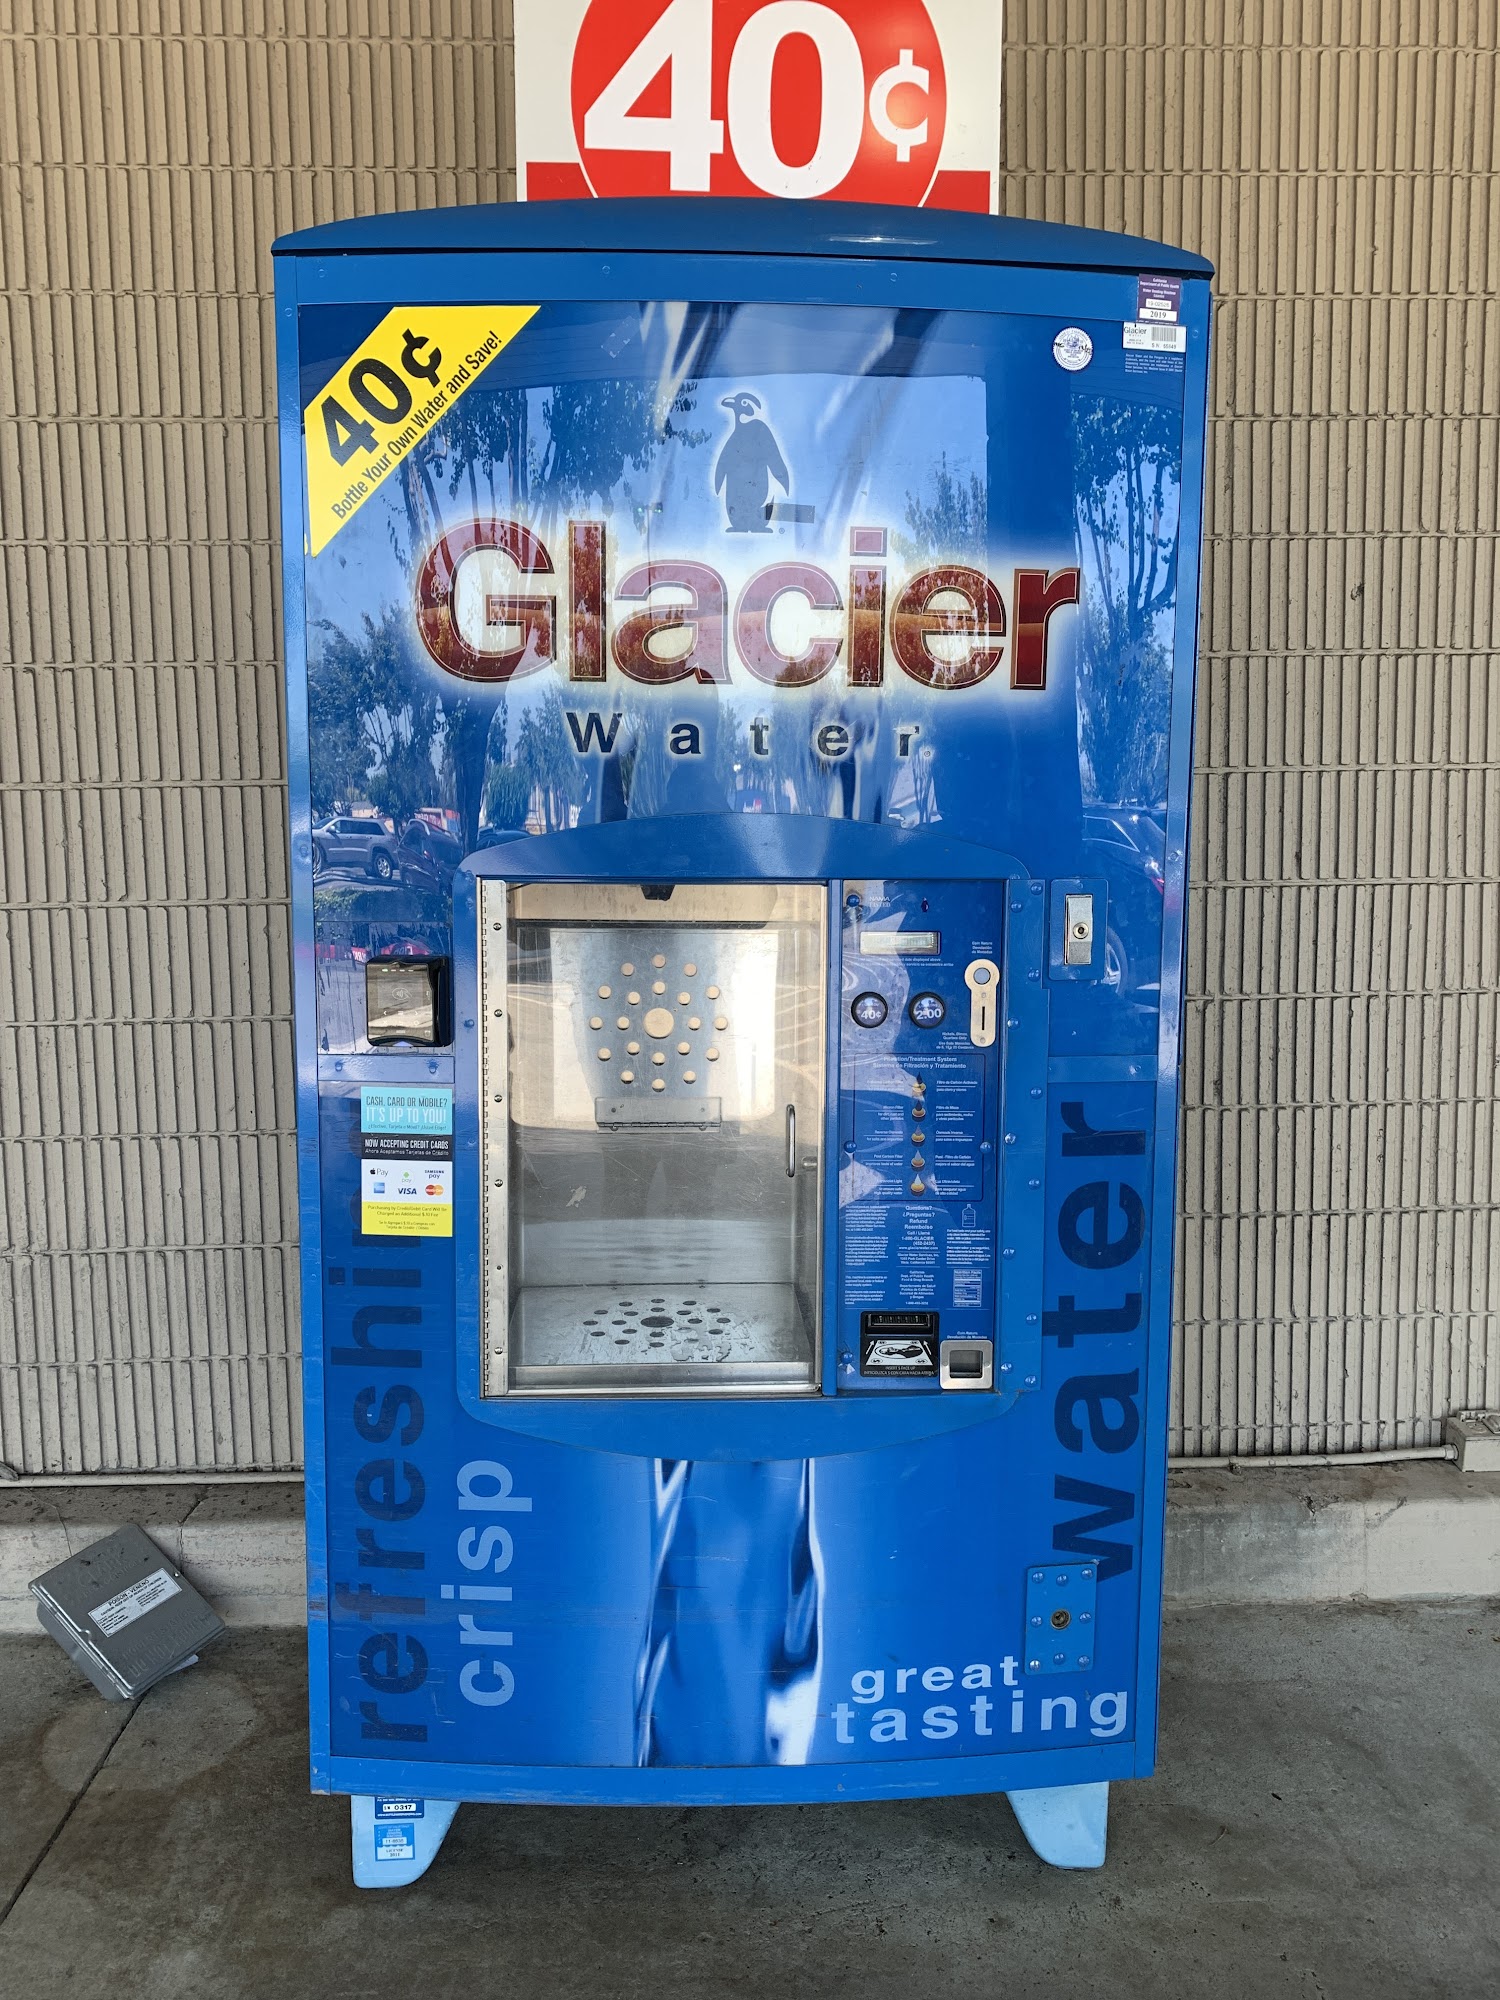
pixel 740 681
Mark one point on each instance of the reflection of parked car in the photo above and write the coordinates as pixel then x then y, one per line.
pixel 428 858
pixel 1131 846
pixel 1142 837
pixel 355 843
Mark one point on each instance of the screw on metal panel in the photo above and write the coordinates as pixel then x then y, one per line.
pixel 1033 1665
pixel 1058 1659
pixel 1087 1575
pixel 1016 905
pixel 1031 1319
pixel 1036 888
pixel 1084 1617
pixel 1010 1138
pixel 1036 1092
pixel 1008 1252
pixel 1013 1022
pixel 1036 1576
pixel 497 1098
pixel 1036 1620
pixel 1033 975
pixel 1033 1184
pixel 1031 1381
pixel 1083 1659
pixel 1004 1367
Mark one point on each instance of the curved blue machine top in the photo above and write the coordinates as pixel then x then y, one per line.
pixel 750 228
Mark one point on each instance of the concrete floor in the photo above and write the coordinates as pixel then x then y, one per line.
pixel 1326 1823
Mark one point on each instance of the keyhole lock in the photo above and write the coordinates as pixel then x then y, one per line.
pixel 1061 1620
pixel 1078 930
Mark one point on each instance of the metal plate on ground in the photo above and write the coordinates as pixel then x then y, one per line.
pixel 124 1612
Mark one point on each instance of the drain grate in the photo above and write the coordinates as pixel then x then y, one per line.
pixel 690 1328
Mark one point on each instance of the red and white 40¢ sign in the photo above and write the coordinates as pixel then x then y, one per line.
pixel 856 100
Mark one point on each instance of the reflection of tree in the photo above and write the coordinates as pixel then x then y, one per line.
pixel 543 774
pixel 386 725
pixel 372 719
pixel 1127 458
pixel 951 524
pixel 507 789
pixel 590 436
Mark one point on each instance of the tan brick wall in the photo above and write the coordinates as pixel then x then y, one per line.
pixel 1340 1242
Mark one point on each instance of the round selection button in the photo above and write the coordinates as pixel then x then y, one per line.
pixel 927 1010
pixel 869 1009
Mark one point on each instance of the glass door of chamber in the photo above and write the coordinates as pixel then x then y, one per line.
pixel 652 1133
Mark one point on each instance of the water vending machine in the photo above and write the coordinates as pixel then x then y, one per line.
pixel 740 684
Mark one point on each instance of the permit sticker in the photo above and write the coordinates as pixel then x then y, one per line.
pixel 395 1840
pixel 115 1613
pixel 1159 299
pixel 1072 349
pixel 406 1197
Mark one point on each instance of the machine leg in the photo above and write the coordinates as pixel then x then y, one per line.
pixel 1065 1824
pixel 395 1839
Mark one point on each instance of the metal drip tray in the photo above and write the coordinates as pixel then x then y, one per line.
pixel 679 1338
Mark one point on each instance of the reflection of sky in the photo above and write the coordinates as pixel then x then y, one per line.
pixel 868 407
pixel 860 444
pixel 858 447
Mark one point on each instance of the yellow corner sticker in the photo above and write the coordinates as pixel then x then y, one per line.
pixel 387 396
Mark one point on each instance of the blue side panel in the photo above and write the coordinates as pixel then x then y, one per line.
pixel 862 556
pixel 309 1183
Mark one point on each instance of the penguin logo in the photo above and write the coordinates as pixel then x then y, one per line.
pixel 749 461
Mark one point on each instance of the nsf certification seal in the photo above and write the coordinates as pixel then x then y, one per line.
pixel 1072 349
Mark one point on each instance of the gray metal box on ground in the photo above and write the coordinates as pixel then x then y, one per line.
pixel 124 1612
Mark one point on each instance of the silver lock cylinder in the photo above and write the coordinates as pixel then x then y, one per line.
pixel 1078 930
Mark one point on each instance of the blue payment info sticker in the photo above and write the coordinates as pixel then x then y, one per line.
pixel 415 1112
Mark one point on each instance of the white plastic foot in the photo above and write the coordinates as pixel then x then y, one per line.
pixel 395 1839
pixel 1065 1824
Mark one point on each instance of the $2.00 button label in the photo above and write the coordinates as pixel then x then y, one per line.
pixel 387 396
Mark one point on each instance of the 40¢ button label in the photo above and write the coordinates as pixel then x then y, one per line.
pixel 387 396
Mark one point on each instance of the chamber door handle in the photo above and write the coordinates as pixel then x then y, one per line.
pixel 791 1142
